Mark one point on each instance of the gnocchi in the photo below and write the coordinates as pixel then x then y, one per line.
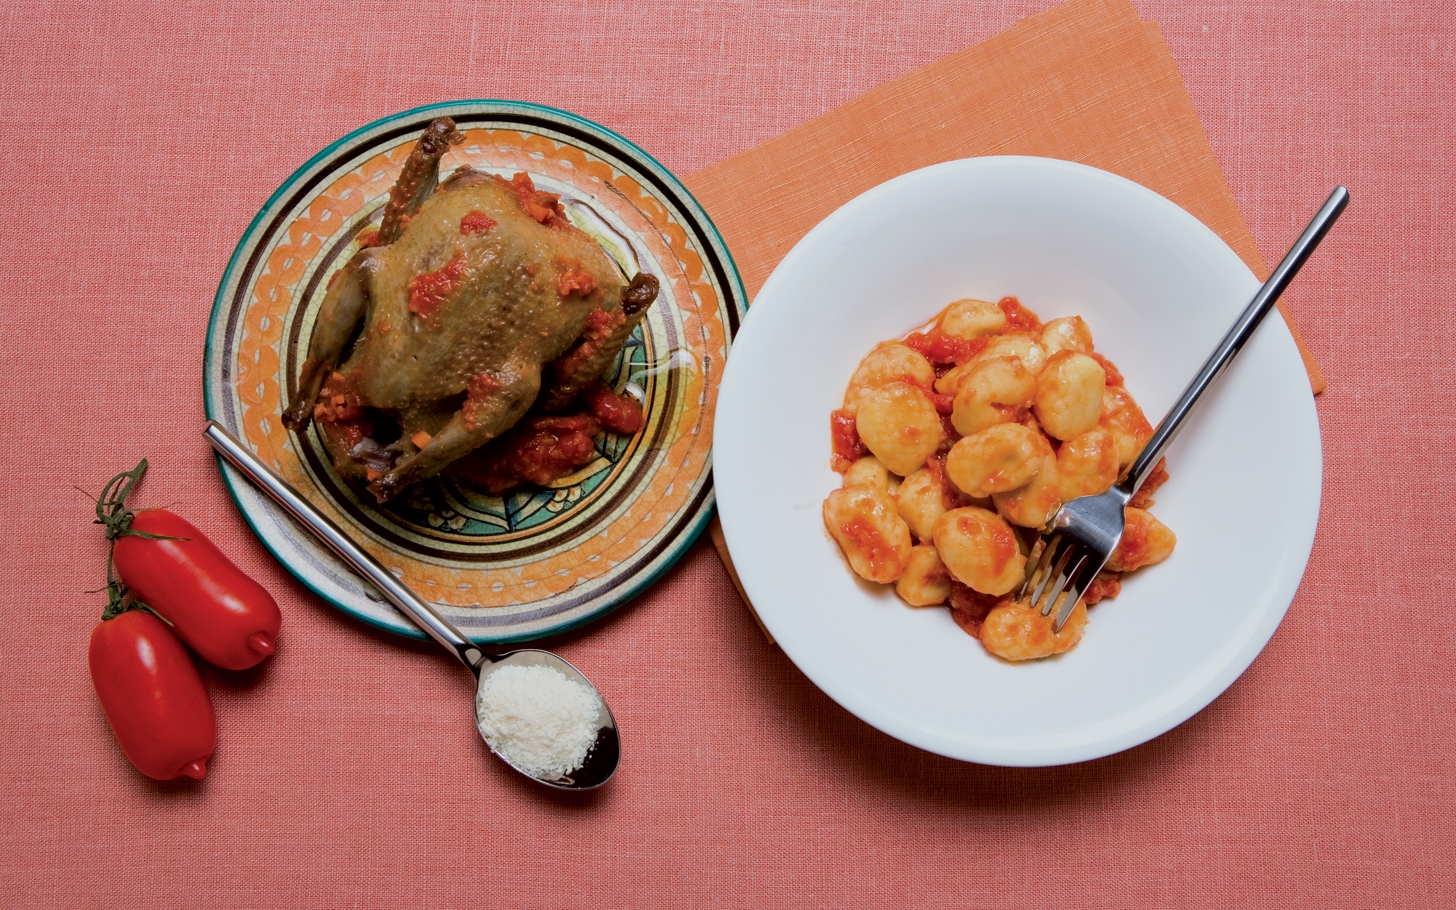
pixel 979 549
pixel 996 460
pixel 889 362
pixel 1087 464
pixel 1145 542
pixel 995 391
pixel 1069 394
pixel 1025 348
pixel 1014 631
pixel 958 443
pixel 875 540
pixel 898 423
pixel 1070 333
pixel 971 319
pixel 1125 421
pixel 869 470
pixel 925 581
pixel 1033 505
pixel 923 498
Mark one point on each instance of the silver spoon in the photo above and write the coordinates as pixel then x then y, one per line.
pixel 601 762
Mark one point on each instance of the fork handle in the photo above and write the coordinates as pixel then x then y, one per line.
pixel 1238 335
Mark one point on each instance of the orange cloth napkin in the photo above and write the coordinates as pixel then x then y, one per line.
pixel 1087 81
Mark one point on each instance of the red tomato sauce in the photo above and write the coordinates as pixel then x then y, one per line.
pixel 617 412
pixel 1114 376
pixel 847 445
pixel 940 348
pixel 350 434
pixel 544 207
pixel 477 392
pixel 969 607
pixel 575 281
pixel 870 542
pixel 1018 317
pixel 935 466
pixel 538 450
pixel 947 426
pixel 429 291
pixel 1105 586
pixel 1144 496
pixel 340 410
pixel 476 222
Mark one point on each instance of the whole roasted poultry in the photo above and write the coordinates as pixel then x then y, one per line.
pixel 477 304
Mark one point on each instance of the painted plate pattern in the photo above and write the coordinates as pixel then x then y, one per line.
pixel 535 561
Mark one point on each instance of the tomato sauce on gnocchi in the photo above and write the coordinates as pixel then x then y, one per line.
pixel 959 441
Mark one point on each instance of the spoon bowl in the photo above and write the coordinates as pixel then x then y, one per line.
pixel 605 753
pixel 601 759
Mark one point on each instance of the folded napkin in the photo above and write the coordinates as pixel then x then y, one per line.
pixel 1087 81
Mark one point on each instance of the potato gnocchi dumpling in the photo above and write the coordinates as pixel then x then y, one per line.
pixel 922 498
pixel 898 423
pixel 980 549
pixel 1145 542
pixel 1032 354
pixel 997 390
pixel 887 363
pixel 1069 333
pixel 869 470
pixel 1125 421
pixel 925 581
pixel 959 442
pixel 996 460
pixel 1033 505
pixel 1014 631
pixel 874 539
pixel 1069 394
pixel 1087 464
pixel 971 319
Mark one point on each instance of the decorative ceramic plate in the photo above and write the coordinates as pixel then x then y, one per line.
pixel 1158 290
pixel 534 561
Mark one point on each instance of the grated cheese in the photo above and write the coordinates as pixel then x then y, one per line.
pixel 537 718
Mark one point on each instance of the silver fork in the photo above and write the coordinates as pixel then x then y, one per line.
pixel 1082 535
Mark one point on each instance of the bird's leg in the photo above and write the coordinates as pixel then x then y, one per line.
pixel 494 402
pixel 345 306
pixel 419 176
pixel 598 345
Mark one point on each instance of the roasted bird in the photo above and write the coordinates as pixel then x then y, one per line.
pixel 478 303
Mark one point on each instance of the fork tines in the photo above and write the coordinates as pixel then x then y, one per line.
pixel 1056 570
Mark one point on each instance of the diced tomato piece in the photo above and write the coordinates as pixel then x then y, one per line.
pixel 476 222
pixel 1018 317
pixel 847 445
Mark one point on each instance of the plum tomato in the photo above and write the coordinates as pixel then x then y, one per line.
pixel 153 696
pixel 169 565
pixel 228 618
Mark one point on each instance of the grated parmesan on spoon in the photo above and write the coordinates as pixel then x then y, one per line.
pixel 537 718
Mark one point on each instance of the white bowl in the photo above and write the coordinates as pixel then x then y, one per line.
pixel 1158 290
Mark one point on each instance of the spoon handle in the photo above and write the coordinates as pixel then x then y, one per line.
pixel 1238 335
pixel 331 536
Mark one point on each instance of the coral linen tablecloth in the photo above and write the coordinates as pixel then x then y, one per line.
pixel 139 140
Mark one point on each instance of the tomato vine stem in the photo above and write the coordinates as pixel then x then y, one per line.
pixel 112 512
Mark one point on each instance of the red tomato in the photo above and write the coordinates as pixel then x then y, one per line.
pixel 227 618
pixel 152 696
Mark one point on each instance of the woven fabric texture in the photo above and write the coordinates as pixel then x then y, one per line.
pixel 141 138
pixel 1086 82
